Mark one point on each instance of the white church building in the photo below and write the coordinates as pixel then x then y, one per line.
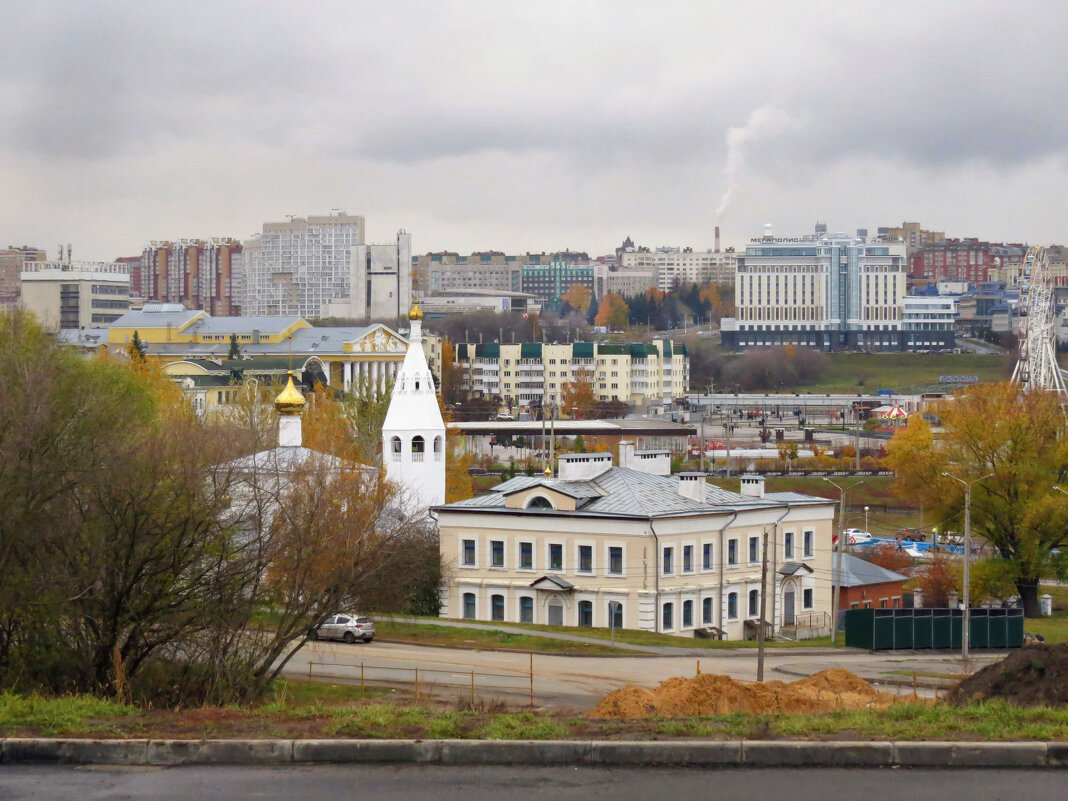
pixel 413 434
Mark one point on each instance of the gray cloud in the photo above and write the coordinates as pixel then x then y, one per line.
pixel 606 116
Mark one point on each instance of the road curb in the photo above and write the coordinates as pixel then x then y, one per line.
pixel 706 753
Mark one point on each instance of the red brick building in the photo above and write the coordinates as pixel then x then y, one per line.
pixel 867 586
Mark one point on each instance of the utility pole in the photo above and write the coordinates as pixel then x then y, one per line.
pixel 763 607
pixel 836 572
pixel 966 620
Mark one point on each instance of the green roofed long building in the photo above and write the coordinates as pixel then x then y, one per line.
pixel 535 372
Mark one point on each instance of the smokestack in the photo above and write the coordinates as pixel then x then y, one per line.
pixel 717 239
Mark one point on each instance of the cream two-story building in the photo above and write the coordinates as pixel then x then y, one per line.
pixel 656 552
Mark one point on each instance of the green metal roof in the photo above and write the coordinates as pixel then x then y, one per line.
pixel 530 350
pixel 680 350
pixel 613 350
pixel 490 351
pixel 582 350
pixel 461 351
pixel 640 351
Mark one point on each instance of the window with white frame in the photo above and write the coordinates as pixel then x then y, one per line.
pixel 467 553
pixel 754 603
pixel 526 555
pixel 732 606
pixel 687 614
pixel 668 617
pixel 788 545
pixel 806 599
pixel 585 559
pixel 754 549
pixel 615 560
pixel 708 555
pixel 706 612
pixel 732 552
pixel 556 556
pixel 808 537
pixel 469 606
pixel 687 558
pixel 496 553
pixel 526 609
pixel 669 561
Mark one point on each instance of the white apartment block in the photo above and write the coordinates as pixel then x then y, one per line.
pixel 535 373
pixel 831 293
pixel 676 266
pixel 295 267
pixel 629 283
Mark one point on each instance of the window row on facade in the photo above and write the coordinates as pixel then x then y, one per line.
pixel 675 559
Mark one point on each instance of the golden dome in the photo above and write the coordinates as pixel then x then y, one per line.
pixel 289 400
pixel 416 313
pixel 548 471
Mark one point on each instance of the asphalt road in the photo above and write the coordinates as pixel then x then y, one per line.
pixel 575 681
pixel 413 783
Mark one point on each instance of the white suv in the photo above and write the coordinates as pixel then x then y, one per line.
pixel 347 628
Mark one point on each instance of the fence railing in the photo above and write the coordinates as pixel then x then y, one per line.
pixel 428 681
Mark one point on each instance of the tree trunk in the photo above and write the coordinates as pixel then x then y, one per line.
pixel 1028 589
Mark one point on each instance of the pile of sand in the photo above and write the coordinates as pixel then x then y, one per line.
pixel 1036 675
pixel 713 694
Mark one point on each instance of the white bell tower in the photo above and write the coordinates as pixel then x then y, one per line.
pixel 413 434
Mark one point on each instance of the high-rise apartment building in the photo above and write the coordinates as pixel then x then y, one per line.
pixel 75 295
pixel 833 294
pixel 208 275
pixel 295 267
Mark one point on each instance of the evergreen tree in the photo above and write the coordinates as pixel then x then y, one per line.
pixel 136 350
pixel 235 352
pixel 591 313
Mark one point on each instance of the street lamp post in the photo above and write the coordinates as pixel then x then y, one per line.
pixel 966 619
pixel 866 529
pixel 836 571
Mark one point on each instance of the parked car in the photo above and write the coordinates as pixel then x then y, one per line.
pixel 345 627
pixel 856 536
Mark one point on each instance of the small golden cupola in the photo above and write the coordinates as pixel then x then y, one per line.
pixel 289 400
pixel 416 313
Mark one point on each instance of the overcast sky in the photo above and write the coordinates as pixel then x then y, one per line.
pixel 530 126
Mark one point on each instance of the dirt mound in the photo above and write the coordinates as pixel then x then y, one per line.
pixel 714 694
pixel 1036 675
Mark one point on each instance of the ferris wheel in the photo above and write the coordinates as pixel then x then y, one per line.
pixel 1037 366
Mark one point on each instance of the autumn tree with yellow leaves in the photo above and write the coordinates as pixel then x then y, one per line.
pixel 1020 439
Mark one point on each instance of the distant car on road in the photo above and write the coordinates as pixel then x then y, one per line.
pixel 856 536
pixel 345 627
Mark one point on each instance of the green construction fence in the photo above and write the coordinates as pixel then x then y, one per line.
pixel 937 629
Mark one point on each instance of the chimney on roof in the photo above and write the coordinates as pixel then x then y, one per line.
pixel 752 486
pixel 626 453
pixel 692 486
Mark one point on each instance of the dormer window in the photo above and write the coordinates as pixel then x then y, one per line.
pixel 540 502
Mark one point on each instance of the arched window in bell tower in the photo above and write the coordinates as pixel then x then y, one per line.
pixel 418 448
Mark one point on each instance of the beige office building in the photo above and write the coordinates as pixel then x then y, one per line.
pixel 75 295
